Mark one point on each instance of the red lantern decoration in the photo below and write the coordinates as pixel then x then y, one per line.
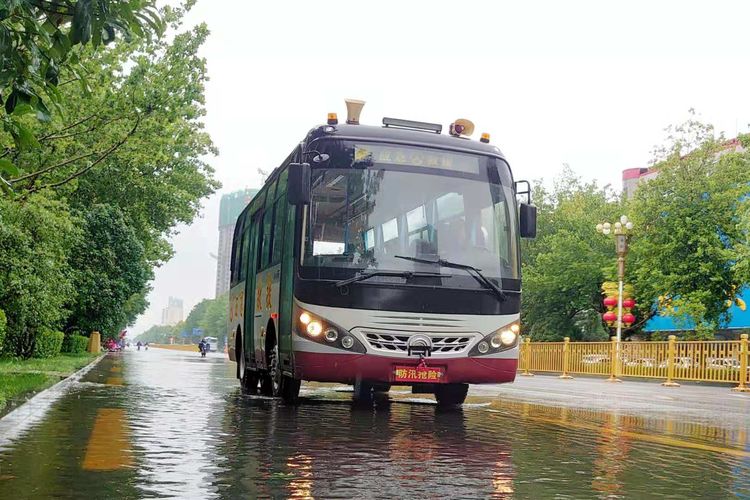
pixel 610 302
pixel 628 303
pixel 628 318
pixel 609 317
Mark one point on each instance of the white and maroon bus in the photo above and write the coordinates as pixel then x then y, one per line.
pixel 379 256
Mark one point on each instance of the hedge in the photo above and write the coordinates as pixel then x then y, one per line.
pixel 75 344
pixel 48 343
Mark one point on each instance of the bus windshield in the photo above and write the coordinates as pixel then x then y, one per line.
pixel 375 202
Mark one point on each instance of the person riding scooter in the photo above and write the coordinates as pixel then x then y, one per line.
pixel 203 347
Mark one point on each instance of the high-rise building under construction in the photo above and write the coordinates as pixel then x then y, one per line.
pixel 230 208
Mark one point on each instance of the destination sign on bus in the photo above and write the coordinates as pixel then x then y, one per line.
pixel 416 157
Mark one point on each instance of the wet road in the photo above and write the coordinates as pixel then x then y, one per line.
pixel 164 423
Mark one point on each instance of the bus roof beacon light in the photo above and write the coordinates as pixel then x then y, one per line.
pixel 333 119
pixel 485 138
pixel 353 110
pixel 461 127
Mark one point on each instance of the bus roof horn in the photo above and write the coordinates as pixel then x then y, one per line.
pixel 353 110
pixel 461 127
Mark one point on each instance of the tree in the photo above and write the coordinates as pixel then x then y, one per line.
pixel 93 204
pixel 135 140
pixel 158 334
pixel 109 269
pixel 214 321
pixel 42 46
pixel 564 267
pixel 35 279
pixel 689 255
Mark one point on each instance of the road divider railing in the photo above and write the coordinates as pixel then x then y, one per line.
pixel 722 361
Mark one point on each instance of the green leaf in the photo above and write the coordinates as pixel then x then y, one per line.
pixel 8 167
pixel 80 29
pixel 24 137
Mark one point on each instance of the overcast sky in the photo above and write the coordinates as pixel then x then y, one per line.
pixel 590 84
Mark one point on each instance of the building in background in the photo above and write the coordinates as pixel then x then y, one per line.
pixel 230 208
pixel 740 315
pixel 172 314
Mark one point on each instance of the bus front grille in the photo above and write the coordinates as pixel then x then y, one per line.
pixel 397 342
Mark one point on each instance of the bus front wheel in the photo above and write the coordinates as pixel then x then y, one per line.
pixel 275 383
pixel 451 394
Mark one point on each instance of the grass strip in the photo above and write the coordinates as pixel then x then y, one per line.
pixel 24 377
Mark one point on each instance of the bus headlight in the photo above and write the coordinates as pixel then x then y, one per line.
pixel 332 335
pixel 504 338
pixel 347 342
pixel 507 337
pixel 314 328
pixel 311 327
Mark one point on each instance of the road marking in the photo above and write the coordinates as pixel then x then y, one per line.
pixel 109 444
pixel 114 381
pixel 669 441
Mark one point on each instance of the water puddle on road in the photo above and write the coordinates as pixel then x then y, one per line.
pixel 187 432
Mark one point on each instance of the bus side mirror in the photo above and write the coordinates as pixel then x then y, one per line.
pixel 298 185
pixel 527 220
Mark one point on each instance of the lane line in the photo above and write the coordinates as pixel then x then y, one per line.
pixel 109 444
pixel 669 441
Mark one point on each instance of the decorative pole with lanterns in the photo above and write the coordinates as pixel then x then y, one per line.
pixel 621 230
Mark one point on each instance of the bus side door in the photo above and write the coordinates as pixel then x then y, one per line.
pixel 250 298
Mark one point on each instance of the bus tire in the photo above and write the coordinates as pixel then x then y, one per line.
pixel 363 392
pixel 249 382
pixel 248 378
pixel 451 394
pixel 289 389
pixel 270 383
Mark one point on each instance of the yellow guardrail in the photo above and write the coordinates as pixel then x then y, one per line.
pixel 176 347
pixel 704 361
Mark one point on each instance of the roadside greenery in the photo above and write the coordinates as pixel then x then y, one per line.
pixel 689 252
pixel 210 316
pixel 564 267
pixel 75 344
pixel 43 48
pixel 21 377
pixel 689 257
pixel 48 343
pixel 90 199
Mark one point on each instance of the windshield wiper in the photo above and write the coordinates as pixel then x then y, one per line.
pixel 399 274
pixel 471 270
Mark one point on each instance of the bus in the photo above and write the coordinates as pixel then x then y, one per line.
pixel 213 343
pixel 381 255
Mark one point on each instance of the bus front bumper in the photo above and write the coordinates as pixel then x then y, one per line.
pixel 346 368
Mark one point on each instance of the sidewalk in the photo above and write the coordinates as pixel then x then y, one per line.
pixel 713 404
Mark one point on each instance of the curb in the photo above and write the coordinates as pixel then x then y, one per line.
pixel 19 419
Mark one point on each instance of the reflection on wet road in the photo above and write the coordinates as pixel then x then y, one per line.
pixel 169 424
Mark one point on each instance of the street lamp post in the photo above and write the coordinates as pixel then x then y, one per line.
pixel 621 231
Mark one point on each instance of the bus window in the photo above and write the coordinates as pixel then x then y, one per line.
pixel 370 239
pixel 265 247
pixel 236 254
pixel 242 261
pixel 278 226
pixel 450 205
